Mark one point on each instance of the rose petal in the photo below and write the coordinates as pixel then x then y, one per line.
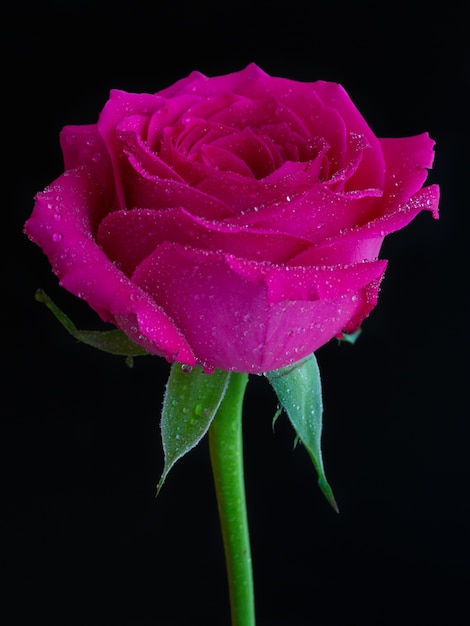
pixel 239 82
pixel 314 215
pixel 128 237
pixel 119 106
pixel 407 161
pixel 251 149
pixel 181 85
pixel 223 307
pixel 243 194
pixel 192 133
pixel 364 242
pixel 309 283
pixel 83 268
pixel 131 138
pixel 146 191
pixel 371 172
pixel 224 161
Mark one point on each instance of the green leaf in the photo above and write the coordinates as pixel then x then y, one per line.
pixel 298 389
pixel 112 341
pixel 190 403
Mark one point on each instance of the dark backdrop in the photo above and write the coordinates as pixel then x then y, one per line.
pixel 85 541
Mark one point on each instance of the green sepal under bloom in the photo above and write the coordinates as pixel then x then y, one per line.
pixel 350 337
pixel 112 341
pixel 298 389
pixel 192 398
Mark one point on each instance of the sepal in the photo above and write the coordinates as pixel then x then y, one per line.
pixel 112 341
pixel 298 389
pixel 192 398
pixel 350 337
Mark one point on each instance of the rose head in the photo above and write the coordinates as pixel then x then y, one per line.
pixel 232 221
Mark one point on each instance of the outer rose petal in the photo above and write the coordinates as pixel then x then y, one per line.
pixel 236 314
pixel 364 242
pixel 198 84
pixel 315 215
pixel 61 225
pixel 80 145
pixel 407 159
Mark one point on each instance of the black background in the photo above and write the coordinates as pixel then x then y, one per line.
pixel 85 541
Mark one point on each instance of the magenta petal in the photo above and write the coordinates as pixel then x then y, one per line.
pixel 314 215
pixel 180 85
pixel 208 301
pixel 242 194
pixel 128 237
pixel 408 160
pixel 131 138
pixel 119 106
pixel 311 283
pixel 225 161
pixel 224 308
pixel 364 242
pixel 334 96
pixel 60 224
pixel 169 115
pixel 352 288
pixel 239 82
pixel 192 133
pixel 144 191
pixel 251 148
pixel 80 144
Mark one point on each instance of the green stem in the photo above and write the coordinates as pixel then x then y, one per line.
pixel 226 453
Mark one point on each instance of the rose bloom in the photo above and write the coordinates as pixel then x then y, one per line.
pixel 232 221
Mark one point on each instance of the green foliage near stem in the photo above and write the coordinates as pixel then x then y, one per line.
pixel 298 389
pixel 190 403
pixel 112 341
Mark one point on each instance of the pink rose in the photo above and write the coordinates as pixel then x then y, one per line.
pixel 232 221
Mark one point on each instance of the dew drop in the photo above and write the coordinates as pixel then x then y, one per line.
pixel 57 237
pixel 202 411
